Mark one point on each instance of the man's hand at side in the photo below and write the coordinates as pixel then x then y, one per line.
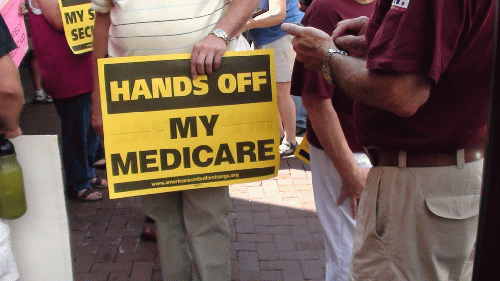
pixel 352 186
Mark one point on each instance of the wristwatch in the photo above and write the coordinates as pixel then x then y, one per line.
pixel 221 34
pixel 326 71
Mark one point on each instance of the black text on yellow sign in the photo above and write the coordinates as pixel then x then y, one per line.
pixel 172 158
pixel 302 151
pixel 143 89
pixel 78 20
pixel 165 131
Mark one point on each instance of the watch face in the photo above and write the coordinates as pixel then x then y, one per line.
pixel 221 34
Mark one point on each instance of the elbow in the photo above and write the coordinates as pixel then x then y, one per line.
pixel 405 111
pixel 405 107
pixel 276 17
pixel 405 100
pixel 58 25
pixel 281 16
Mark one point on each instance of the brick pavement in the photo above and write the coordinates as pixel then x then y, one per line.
pixel 275 233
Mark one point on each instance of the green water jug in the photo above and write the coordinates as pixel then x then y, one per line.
pixel 12 199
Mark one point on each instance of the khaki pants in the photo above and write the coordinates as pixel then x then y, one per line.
pixel 418 223
pixel 192 233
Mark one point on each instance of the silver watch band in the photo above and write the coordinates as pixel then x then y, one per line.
pixel 326 70
pixel 221 34
pixel 330 52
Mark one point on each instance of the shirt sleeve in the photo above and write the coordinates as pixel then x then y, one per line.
pixel 101 6
pixel 309 81
pixel 7 44
pixel 413 38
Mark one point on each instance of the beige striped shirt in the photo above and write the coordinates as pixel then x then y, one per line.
pixel 153 27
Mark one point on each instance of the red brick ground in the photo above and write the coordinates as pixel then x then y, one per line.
pixel 275 234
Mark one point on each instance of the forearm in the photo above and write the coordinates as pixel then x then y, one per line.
pixel 275 16
pixel 50 10
pixel 100 50
pixel 326 126
pixel 401 94
pixel 11 95
pixel 238 14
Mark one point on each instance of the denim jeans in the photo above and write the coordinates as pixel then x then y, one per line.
pixel 301 114
pixel 79 141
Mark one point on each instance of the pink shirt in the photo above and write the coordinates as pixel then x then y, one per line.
pixel 64 74
pixel 451 43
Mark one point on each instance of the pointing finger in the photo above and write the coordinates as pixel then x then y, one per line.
pixel 292 29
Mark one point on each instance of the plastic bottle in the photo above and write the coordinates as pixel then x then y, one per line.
pixel 12 199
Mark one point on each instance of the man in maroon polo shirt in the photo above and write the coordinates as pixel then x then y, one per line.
pixel 421 105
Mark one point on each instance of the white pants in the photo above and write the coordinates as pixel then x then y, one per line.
pixel 337 221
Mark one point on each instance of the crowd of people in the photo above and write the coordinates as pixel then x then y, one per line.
pixel 395 121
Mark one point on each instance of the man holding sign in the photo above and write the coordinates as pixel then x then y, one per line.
pixel 192 228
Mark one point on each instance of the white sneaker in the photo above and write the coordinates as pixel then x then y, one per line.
pixel 48 99
pixel 39 96
pixel 286 148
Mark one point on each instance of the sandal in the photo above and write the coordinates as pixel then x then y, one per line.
pixel 98 182
pixel 287 148
pixel 148 233
pixel 87 195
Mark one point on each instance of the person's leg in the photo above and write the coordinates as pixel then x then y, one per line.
pixel 301 116
pixel 282 130
pixel 337 221
pixel 166 210
pixel 37 78
pixel 284 60
pixel 77 143
pixel 205 218
pixel 286 108
pixel 40 95
pixel 99 159
pixel 91 146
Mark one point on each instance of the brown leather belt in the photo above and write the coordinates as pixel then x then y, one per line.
pixel 383 157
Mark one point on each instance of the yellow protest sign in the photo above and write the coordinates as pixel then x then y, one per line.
pixel 164 131
pixel 78 19
pixel 302 151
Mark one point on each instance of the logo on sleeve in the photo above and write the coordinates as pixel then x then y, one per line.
pixel 401 5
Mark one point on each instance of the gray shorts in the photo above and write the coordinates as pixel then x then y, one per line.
pixel 284 57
